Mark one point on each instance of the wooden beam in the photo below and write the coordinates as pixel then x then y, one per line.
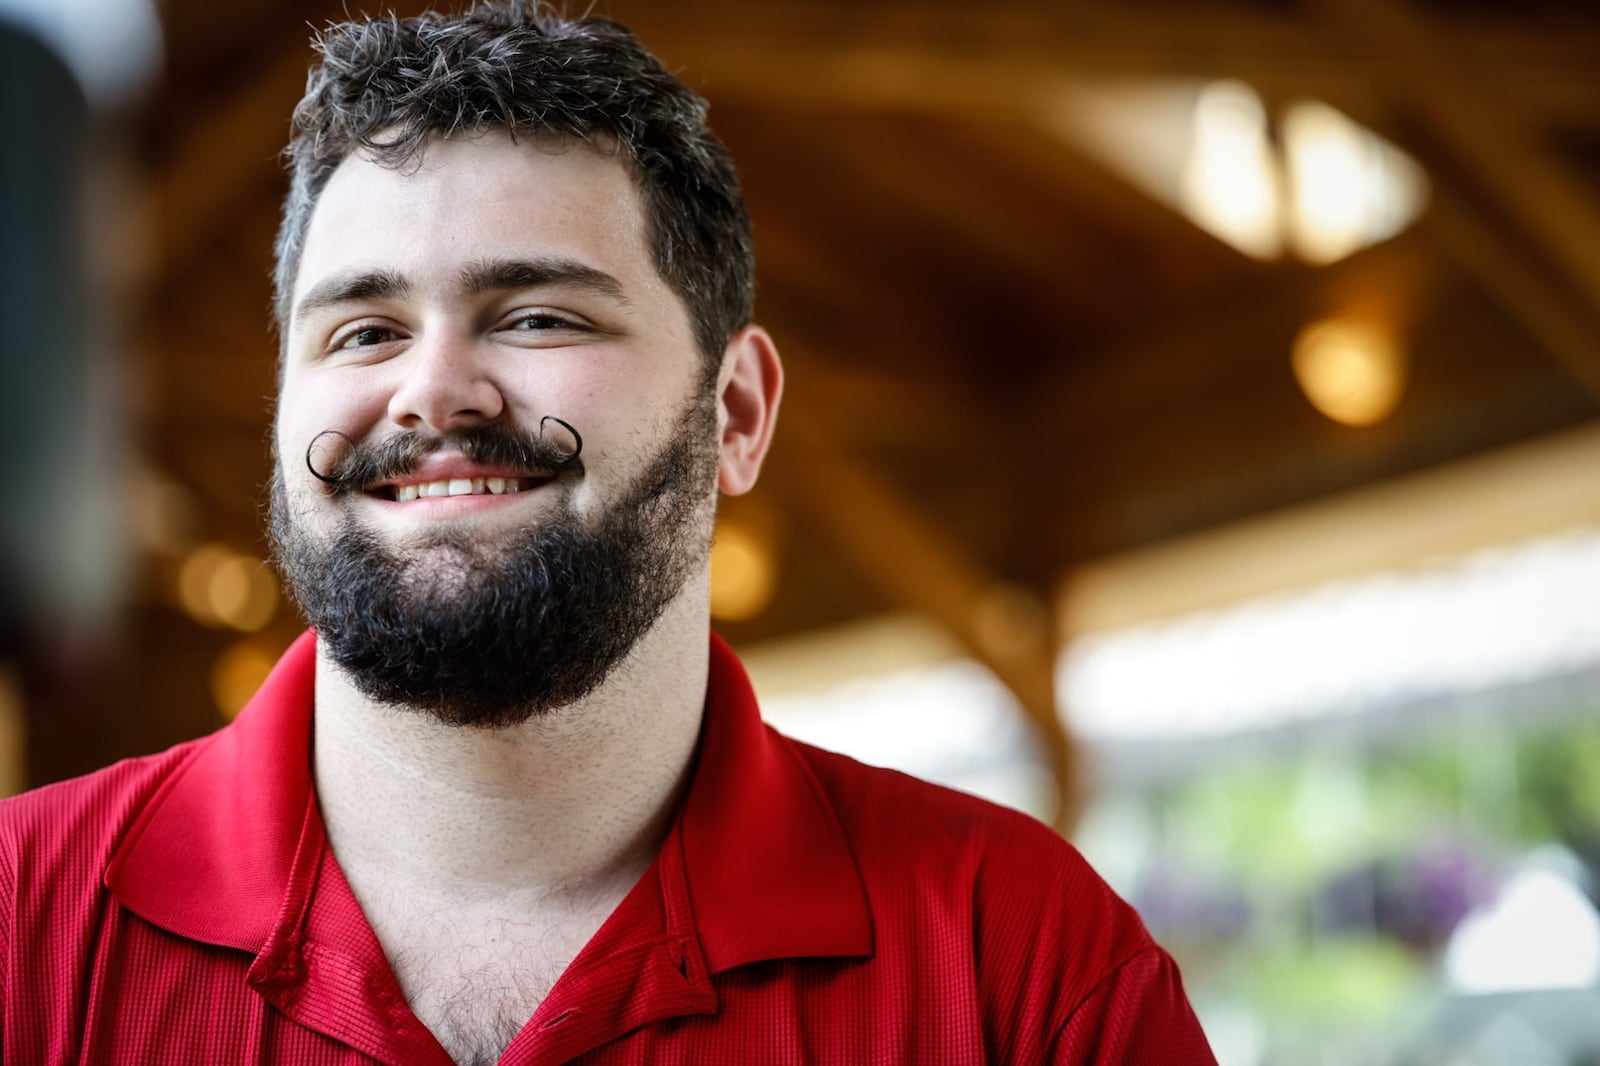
pixel 1170 357
pixel 1055 160
pixel 869 408
pixel 1009 57
pixel 1002 60
pixel 1553 208
pixel 1536 489
pixel 903 168
pixel 1050 193
pixel 832 315
pixel 887 542
pixel 222 163
pixel 1559 323
pixel 1174 353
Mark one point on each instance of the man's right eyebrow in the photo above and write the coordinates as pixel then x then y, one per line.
pixel 343 288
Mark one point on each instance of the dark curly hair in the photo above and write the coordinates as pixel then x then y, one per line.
pixel 387 84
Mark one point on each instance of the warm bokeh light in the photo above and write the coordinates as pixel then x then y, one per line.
pixel 1348 188
pixel 163 515
pixel 1305 179
pixel 744 572
pixel 219 587
pixel 237 673
pixel 1231 181
pixel 13 734
pixel 1352 370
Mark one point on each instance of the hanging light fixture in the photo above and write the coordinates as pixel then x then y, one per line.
pixel 1352 369
pixel 1347 187
pixel 1307 181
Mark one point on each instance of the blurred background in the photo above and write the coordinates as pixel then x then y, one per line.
pixel 1191 438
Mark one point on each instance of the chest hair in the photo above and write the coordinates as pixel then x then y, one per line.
pixel 475 982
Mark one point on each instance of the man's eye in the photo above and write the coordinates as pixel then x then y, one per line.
pixel 366 337
pixel 543 320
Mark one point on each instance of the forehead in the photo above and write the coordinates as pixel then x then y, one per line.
pixel 463 199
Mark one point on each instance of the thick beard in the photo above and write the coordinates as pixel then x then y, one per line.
pixel 492 632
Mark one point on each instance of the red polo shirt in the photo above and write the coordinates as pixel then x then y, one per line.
pixel 185 908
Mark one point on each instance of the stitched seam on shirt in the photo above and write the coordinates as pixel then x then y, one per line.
pixel 1149 949
pixel 8 902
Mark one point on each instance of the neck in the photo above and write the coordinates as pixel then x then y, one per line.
pixel 572 803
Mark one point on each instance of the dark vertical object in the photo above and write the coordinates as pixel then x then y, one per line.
pixel 44 328
pixel 49 569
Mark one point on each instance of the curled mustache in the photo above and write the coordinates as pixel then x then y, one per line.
pixel 492 444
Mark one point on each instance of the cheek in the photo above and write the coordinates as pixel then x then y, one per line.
pixel 310 405
pixel 306 410
pixel 624 413
pixel 602 397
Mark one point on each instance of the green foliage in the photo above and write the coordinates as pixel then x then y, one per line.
pixel 1280 830
pixel 1356 983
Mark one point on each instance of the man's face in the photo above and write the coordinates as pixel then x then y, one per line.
pixel 458 306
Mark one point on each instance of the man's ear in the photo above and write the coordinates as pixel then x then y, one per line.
pixel 748 390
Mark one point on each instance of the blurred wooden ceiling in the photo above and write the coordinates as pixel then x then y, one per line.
pixel 1003 358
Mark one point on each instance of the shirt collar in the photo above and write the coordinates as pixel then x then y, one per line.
pixel 211 855
pixel 771 875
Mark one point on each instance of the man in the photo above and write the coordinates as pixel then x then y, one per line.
pixel 512 802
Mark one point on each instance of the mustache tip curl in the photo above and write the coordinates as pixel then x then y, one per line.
pixel 327 479
pixel 577 438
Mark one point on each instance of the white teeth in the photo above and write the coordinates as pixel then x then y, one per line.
pixel 460 486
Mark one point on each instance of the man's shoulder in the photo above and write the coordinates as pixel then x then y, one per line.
pixel 1049 941
pixel 75 825
pixel 1012 867
pixel 875 803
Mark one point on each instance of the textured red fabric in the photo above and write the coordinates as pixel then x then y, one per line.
pixel 804 909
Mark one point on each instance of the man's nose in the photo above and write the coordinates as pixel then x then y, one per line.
pixel 447 385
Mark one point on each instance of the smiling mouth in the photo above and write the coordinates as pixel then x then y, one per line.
pixel 459 486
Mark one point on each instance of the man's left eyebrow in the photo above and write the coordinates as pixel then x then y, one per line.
pixel 494 275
